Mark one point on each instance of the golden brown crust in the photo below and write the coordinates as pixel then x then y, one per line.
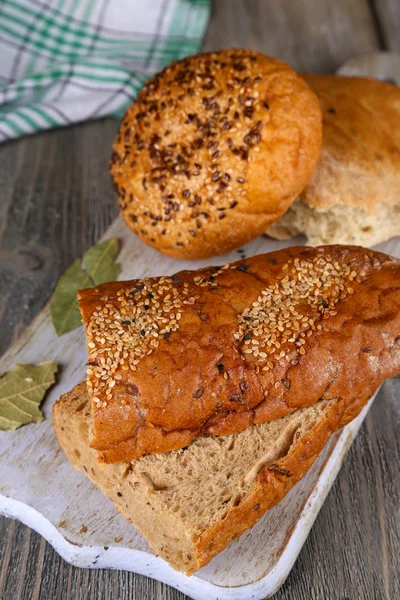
pixel 360 156
pixel 213 150
pixel 213 351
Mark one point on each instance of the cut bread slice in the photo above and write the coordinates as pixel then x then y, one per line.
pixel 190 503
pixel 338 224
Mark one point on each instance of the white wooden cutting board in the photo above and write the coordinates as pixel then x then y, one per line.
pixel 40 488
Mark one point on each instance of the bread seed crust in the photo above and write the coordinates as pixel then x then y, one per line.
pixel 213 150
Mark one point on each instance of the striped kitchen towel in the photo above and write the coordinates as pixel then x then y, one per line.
pixel 63 61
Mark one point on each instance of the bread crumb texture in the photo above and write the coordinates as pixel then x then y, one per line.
pixel 339 224
pixel 212 351
pixel 353 196
pixel 190 503
pixel 213 150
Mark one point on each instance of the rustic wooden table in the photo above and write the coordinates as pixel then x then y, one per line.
pixel 56 201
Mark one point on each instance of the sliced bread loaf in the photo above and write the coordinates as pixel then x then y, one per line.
pixel 216 350
pixel 190 503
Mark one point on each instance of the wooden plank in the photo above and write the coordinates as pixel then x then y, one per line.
pixel 7 537
pixel 315 36
pixel 57 199
pixel 387 13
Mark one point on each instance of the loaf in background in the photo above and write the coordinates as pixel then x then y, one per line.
pixel 191 503
pixel 353 196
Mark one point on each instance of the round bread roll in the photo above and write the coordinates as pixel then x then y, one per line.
pixel 214 149
pixel 353 196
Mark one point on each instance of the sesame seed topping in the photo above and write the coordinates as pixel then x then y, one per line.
pixel 126 329
pixel 287 313
pixel 276 328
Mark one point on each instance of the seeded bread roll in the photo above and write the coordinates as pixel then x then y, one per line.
pixel 214 149
pixel 353 196
pixel 213 351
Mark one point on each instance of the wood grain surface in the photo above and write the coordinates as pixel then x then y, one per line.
pixel 56 199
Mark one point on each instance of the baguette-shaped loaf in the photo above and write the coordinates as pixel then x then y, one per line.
pixel 213 351
pixel 189 504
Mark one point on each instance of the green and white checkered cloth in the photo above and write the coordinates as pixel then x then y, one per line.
pixel 63 61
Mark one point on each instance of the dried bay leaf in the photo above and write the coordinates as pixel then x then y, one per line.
pixel 97 267
pixel 21 391
pixel 99 262
pixel 64 310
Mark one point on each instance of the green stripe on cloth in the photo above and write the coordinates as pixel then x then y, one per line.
pixel 84 38
pixel 67 62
